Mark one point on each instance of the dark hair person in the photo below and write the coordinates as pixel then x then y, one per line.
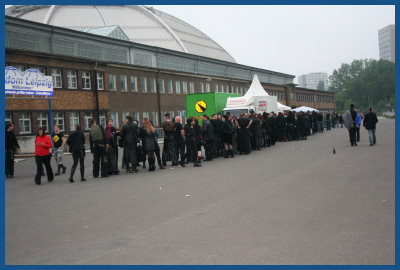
pixel 43 155
pixel 76 143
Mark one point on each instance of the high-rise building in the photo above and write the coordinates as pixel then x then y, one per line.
pixel 312 80
pixel 387 38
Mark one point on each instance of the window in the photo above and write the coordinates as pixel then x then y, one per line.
pixel 207 87
pixel 114 117
pixel 241 90
pixel 182 114
pixel 102 118
pixel 42 120
pixel 237 90
pixel 21 68
pixel 178 87
pixel 184 88
pixel 169 87
pixel 201 87
pixel 56 75
pixel 73 120
pixel 124 115
pixel 143 84
pixel 100 81
pixel 152 85
pixel 161 86
pixel 41 70
pixel 134 84
pixel 222 88
pixel 146 115
pixel 155 118
pixel 71 77
pixel 8 117
pixel 111 82
pixel 122 80
pixel 172 114
pixel 58 120
pixel 191 87
pixel 88 116
pixel 24 123
pixel 216 88
pixel 86 80
pixel 136 117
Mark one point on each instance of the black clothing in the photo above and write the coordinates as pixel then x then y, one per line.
pixel 243 136
pixel 190 134
pixel 57 139
pixel 112 151
pixel 179 143
pixel 169 151
pixel 149 146
pixel 40 160
pixel 226 132
pixel 353 130
pixel 370 120
pixel 76 141
pixel 78 155
pixel 11 144
pixel 98 148
pixel 129 141
pixel 209 139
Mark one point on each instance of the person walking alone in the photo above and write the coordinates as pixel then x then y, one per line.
pixel 370 121
pixel 76 143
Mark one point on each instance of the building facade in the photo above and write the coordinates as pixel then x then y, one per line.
pixel 97 76
pixel 387 40
pixel 312 80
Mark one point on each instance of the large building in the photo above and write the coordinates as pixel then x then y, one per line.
pixel 387 40
pixel 313 80
pixel 102 69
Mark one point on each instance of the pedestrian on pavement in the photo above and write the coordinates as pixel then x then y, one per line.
pixel 227 131
pixel 179 135
pixel 341 120
pixel 243 135
pixel 190 142
pixel 169 151
pixel 320 120
pixel 358 125
pixel 43 155
pixel 328 121
pixel 370 121
pixel 209 137
pixel 129 138
pixel 98 147
pixel 198 139
pixel 350 123
pixel 76 143
pixel 112 151
pixel 11 145
pixel 59 140
pixel 146 133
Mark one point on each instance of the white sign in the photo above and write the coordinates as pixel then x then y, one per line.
pixel 31 82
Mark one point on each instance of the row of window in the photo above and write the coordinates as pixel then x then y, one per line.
pixel 153 116
pixel 42 119
pixel 313 97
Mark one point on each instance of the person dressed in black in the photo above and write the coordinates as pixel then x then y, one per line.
pixel 256 132
pixel 190 134
pixel 328 121
pixel 11 145
pixel 129 136
pixel 209 137
pixel 370 121
pixel 264 129
pixel 76 143
pixel 112 151
pixel 179 136
pixel 300 124
pixel 146 133
pixel 243 135
pixel 274 129
pixel 198 139
pixel 291 127
pixel 226 132
pixel 352 129
pixel 98 146
pixel 320 120
pixel 169 152
pixel 281 126
pixel 157 151
pixel 58 140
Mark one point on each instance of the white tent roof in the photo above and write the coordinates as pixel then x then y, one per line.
pixel 282 107
pixel 256 88
pixel 305 109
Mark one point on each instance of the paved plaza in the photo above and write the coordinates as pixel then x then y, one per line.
pixel 294 203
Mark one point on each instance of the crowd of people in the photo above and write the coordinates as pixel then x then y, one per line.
pixel 220 136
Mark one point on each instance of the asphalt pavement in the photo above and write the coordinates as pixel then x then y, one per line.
pixel 293 203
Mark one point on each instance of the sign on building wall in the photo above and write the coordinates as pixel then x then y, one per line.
pixel 30 82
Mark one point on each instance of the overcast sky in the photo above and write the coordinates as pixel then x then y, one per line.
pixel 291 39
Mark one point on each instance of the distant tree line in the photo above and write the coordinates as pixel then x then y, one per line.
pixel 364 83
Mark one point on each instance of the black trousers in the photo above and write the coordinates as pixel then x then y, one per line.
pixel 352 134
pixel 78 156
pixel 9 169
pixel 208 145
pixel 98 160
pixel 180 150
pixel 191 153
pixel 40 160
pixel 358 134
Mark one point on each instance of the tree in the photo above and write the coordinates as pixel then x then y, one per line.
pixel 321 86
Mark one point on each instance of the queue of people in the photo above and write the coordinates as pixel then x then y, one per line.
pixel 220 136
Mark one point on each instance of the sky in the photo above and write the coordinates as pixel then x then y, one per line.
pixel 294 40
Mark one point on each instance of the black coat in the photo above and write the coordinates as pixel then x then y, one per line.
pixel 129 135
pixel 370 120
pixel 76 141
pixel 11 141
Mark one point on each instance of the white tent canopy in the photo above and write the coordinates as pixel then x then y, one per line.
pixel 304 109
pixel 282 107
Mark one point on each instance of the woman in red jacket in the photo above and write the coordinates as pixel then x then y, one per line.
pixel 43 155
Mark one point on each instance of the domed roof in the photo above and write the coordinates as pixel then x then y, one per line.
pixel 141 24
